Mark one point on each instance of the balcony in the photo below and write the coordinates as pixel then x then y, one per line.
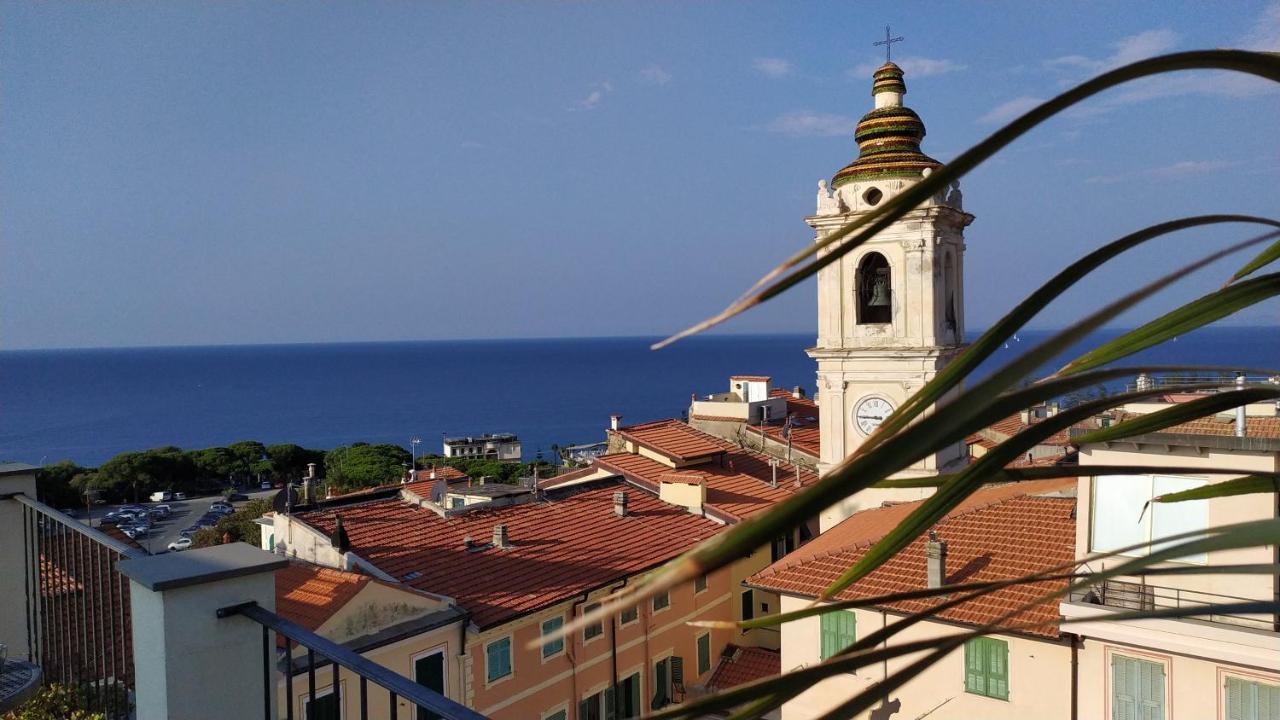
pixel 1247 639
pixel 189 635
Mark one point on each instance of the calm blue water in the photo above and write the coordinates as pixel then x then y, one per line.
pixel 88 405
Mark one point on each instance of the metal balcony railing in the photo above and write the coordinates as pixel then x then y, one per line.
pixel 320 651
pixel 77 606
pixel 1141 596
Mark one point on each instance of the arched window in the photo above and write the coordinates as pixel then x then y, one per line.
pixel 875 290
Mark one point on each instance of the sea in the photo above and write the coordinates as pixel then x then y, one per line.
pixel 88 405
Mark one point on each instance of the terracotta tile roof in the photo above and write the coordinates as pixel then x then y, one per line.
pixel 741 665
pixel 1259 427
pixel 561 547
pixel 674 439
pixel 309 594
pixel 737 487
pixel 998 533
pixel 980 441
pixel 568 477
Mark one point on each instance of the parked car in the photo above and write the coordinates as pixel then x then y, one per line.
pixel 222 507
pixel 179 496
pixel 136 531
pixel 166 509
pixel 161 496
pixel 235 496
pixel 188 532
pixel 266 485
pixel 180 544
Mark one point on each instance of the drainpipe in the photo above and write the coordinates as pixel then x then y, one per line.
pixel 613 650
pixel 1276 550
pixel 1075 676
pixel 570 643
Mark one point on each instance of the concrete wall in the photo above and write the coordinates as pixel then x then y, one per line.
pixel 295 539
pixel 1039 675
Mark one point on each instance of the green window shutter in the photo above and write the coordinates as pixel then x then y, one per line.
pixel 1235 692
pixel 549 626
pixel 1268 702
pixel 1248 700
pixel 661 685
pixel 837 631
pixel 848 626
pixel 974 667
pixel 1151 690
pixel 610 707
pixel 704 654
pixel 827 636
pixel 498 659
pixel 1124 696
pixel 997 668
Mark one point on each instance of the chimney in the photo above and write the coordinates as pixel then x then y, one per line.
pixel 500 539
pixel 614 421
pixel 797 392
pixel 311 471
pixel 433 472
pixel 773 465
pixel 1240 421
pixel 1025 416
pixel 620 503
pixel 339 538
pixel 935 554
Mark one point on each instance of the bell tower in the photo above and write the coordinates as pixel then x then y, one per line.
pixel 891 312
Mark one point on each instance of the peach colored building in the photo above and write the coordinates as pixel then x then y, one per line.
pixel 1222 667
pixel 998 533
pixel 522 570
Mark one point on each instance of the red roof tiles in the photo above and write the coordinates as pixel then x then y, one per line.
pixel 675 439
pixel 559 548
pixel 738 485
pixel 309 595
pixel 998 533
pixel 1260 427
pixel 744 664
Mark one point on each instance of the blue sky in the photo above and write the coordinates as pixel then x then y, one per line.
pixel 201 173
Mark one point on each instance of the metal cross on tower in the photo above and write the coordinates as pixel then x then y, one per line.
pixel 888 42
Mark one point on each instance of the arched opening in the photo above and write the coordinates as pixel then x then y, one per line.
pixel 949 293
pixel 872 196
pixel 875 290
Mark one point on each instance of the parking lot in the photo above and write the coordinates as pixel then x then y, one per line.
pixel 184 514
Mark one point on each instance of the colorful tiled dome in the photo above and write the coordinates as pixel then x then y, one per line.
pixel 889 136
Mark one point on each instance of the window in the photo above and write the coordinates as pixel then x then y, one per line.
pixel 781 546
pixel 748 605
pixel 661 601
pixel 629 615
pixel 629 696
pixel 324 708
pixel 874 292
pixel 700 584
pixel 1137 688
pixel 428 671
pixel 986 668
pixel 598 706
pixel 595 629
pixel 661 684
pixel 838 632
pixel 456 503
pixel 1118 519
pixel 552 647
pixel 497 656
pixel 557 715
pixel 704 653
pixel 1251 700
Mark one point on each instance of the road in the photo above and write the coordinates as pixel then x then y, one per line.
pixel 185 513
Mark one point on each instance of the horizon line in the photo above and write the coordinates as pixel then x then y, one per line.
pixel 530 338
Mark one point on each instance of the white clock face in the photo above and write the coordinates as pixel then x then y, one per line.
pixel 870 412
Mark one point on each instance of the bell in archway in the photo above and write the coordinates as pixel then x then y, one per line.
pixel 879 292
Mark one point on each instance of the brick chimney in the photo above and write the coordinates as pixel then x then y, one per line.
pixel 500 539
pixel 935 555
pixel 797 392
pixel 620 503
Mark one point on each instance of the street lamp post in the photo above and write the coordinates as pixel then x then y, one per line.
pixel 413 457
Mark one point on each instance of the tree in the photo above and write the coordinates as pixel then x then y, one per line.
pixel 364 465
pixel 239 526
pixel 289 461
pixel 55 486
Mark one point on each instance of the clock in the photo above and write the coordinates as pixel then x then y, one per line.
pixel 870 412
